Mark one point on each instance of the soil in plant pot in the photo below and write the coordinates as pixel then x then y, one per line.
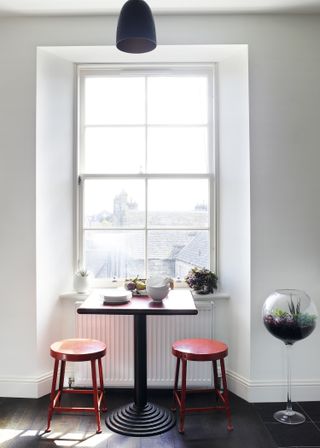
pixel 288 329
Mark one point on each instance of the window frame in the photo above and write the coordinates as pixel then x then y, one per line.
pixel 84 71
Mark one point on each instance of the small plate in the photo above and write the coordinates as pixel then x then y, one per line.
pixel 109 301
pixel 116 295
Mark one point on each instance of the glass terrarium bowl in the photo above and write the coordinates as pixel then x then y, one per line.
pixel 289 315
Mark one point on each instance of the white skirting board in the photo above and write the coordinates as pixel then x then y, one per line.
pixel 251 391
pixel 22 387
pixel 272 391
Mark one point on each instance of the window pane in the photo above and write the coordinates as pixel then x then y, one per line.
pixel 178 203
pixel 114 253
pixel 114 150
pixel 177 150
pixel 175 252
pixel 114 100
pixel 177 100
pixel 114 203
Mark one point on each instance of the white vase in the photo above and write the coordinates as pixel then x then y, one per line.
pixel 81 284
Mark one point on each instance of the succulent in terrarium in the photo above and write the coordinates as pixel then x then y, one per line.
pixel 289 315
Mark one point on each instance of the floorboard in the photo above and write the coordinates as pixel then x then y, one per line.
pixel 22 424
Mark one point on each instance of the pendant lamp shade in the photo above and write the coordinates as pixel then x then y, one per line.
pixel 136 32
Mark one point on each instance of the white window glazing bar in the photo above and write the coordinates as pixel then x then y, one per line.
pixel 146 269
pixel 80 166
pixel 211 183
pixel 128 176
pixel 128 229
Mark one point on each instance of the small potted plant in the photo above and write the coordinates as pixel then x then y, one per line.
pixel 81 281
pixel 202 280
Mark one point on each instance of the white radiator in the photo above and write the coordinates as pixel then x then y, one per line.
pixel 162 331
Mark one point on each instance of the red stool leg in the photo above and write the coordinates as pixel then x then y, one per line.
pixel 216 379
pixel 183 395
pixel 226 395
pixel 61 380
pixel 95 395
pixel 175 387
pixel 103 401
pixel 53 393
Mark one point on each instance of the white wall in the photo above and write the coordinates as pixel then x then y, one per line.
pixel 285 160
pixel 234 212
pixel 17 223
pixel 54 201
pixel 284 73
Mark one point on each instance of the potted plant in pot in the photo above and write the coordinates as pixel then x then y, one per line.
pixel 81 282
pixel 202 280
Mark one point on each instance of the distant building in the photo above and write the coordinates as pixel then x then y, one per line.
pixel 170 253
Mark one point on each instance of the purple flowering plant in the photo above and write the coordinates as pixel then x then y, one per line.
pixel 202 280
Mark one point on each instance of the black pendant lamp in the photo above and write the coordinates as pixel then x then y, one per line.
pixel 136 32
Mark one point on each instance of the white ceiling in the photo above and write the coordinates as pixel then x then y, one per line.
pixel 89 7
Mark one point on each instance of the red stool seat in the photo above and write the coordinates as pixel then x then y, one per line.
pixel 77 350
pixel 200 350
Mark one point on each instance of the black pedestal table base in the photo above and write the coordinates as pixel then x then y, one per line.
pixel 151 420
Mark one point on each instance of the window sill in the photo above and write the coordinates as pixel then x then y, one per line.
pixel 74 296
pixel 81 297
pixel 218 295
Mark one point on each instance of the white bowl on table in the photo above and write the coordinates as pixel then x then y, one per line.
pixel 158 293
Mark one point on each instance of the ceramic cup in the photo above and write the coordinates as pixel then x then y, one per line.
pixel 157 293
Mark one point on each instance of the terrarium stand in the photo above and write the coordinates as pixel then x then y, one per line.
pixel 289 416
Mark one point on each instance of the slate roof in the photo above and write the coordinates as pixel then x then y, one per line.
pixel 196 252
pixel 164 246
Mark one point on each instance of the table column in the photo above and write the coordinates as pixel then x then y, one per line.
pixel 140 361
pixel 140 418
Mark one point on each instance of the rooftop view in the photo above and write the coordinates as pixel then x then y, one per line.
pixel 121 253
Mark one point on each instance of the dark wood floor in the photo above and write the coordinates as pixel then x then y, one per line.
pixel 22 424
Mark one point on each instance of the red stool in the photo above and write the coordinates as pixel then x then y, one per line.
pixel 77 350
pixel 200 350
